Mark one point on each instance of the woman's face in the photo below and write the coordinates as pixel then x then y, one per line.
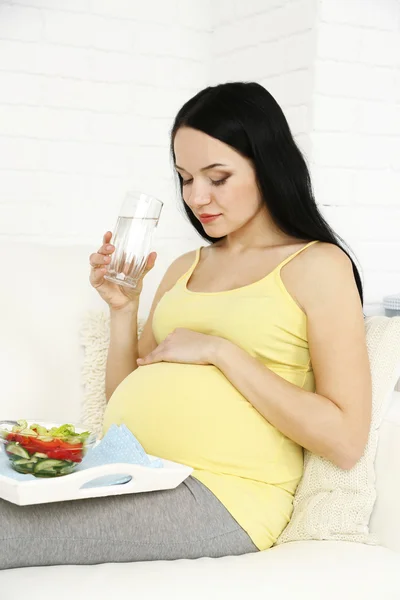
pixel 229 191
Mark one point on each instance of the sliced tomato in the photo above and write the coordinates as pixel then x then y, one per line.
pixel 42 446
pixel 61 454
pixel 55 448
pixel 66 445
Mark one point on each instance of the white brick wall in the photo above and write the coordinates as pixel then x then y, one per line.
pixel 88 93
pixel 355 133
pixel 89 90
pixel 334 67
pixel 274 43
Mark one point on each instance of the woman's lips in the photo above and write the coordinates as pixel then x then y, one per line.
pixel 208 219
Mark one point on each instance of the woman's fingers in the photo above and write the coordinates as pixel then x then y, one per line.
pixel 151 259
pixel 100 260
pixel 158 352
pixel 102 257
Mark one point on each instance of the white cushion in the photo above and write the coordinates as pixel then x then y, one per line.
pixel 299 570
pixel 335 504
pixel 41 304
pixel 45 293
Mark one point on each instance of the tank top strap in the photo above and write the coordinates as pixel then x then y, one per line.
pixel 289 258
pixel 186 276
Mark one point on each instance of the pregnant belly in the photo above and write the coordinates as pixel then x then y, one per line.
pixel 192 414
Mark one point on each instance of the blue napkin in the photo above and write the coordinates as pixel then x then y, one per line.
pixel 119 445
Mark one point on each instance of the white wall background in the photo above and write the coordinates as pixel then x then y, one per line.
pixel 89 90
pixel 356 133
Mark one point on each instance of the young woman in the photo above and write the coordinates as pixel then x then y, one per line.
pixel 254 349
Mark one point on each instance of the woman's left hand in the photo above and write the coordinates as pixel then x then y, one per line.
pixel 184 346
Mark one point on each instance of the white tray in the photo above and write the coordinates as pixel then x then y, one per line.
pixel 69 487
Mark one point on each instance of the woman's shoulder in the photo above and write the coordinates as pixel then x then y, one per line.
pixel 322 255
pixel 320 267
pixel 173 273
pixel 182 263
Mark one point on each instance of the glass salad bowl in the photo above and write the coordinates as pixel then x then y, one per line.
pixel 44 449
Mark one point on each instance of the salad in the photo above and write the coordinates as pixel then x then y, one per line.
pixel 44 452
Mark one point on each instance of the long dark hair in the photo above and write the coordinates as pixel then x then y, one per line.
pixel 245 116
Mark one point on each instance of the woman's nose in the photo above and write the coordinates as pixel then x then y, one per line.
pixel 199 202
pixel 198 196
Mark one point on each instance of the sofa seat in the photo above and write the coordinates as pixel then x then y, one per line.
pixel 311 570
pixel 42 358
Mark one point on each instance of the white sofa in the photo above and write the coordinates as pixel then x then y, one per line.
pixel 45 293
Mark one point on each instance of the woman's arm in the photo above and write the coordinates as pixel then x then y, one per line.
pixel 334 421
pixel 123 349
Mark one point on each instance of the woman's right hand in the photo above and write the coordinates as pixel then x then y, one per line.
pixel 117 296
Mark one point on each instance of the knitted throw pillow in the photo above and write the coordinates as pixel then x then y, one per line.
pixel 334 504
pixel 95 339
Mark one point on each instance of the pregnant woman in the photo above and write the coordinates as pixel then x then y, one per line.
pixel 254 348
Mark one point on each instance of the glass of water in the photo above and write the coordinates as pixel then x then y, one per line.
pixel 132 237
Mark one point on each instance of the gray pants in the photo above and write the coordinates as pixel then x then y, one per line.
pixel 186 522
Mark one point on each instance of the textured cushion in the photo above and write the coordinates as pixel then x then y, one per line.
pixel 95 339
pixel 331 503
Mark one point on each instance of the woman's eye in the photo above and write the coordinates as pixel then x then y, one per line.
pixel 219 182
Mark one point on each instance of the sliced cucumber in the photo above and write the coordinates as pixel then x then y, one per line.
pixel 40 430
pixel 42 468
pixel 24 461
pixel 40 455
pixel 73 440
pixel 28 431
pixel 46 465
pixel 63 465
pixel 28 468
pixel 24 469
pixel 46 474
pixel 17 450
pixel 66 470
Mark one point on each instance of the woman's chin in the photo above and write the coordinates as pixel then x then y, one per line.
pixel 214 229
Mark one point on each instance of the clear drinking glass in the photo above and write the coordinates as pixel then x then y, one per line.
pixel 132 237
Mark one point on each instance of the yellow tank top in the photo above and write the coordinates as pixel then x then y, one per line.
pixel 193 415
